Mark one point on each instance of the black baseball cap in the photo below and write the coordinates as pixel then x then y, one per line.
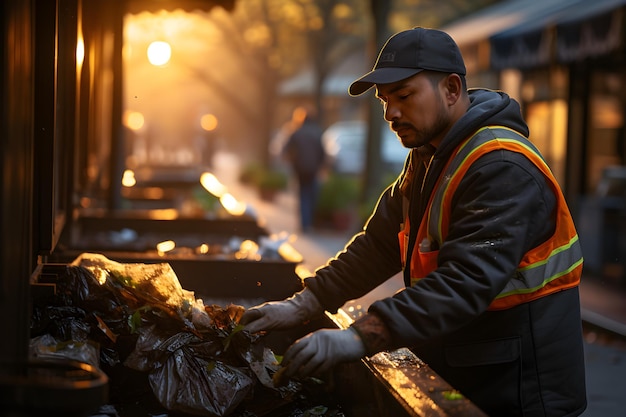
pixel 411 51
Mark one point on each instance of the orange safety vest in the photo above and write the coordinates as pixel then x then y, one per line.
pixel 553 266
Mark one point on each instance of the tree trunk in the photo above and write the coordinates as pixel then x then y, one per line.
pixel 373 163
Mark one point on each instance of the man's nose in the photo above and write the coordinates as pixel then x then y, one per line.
pixel 391 113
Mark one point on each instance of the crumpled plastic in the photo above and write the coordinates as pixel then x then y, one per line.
pixel 46 346
pixel 211 374
pixel 154 284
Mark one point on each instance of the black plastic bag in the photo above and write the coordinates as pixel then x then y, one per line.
pixel 193 385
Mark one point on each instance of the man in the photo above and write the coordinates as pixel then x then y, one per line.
pixel 478 223
pixel 306 154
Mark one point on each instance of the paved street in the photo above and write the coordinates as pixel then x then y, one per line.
pixel 602 306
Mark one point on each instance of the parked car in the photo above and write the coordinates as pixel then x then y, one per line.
pixel 345 143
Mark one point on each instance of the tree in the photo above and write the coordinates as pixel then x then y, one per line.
pixel 340 31
pixel 268 41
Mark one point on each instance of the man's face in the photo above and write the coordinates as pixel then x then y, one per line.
pixel 416 110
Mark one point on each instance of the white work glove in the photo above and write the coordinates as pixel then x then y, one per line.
pixel 319 351
pixel 277 315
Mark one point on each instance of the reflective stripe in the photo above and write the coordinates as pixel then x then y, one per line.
pixel 562 260
pixel 451 172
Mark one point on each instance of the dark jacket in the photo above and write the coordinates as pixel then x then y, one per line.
pixel 527 360
pixel 304 150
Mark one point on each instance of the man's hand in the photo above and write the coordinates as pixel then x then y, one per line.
pixel 319 351
pixel 285 314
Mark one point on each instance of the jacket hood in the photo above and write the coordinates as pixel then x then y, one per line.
pixel 487 107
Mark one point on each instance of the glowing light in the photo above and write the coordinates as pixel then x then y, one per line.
pixel 342 11
pixel 289 253
pixel 134 120
pixel 303 272
pixel 232 206
pixel 203 249
pixel 219 190
pixel 212 184
pixel 80 52
pixel 128 179
pixel 85 202
pixel 208 122
pixel 248 249
pixel 165 246
pixel 163 214
pixel 159 53
pixel 80 43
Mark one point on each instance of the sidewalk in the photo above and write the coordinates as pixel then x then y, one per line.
pixel 602 306
pixel 281 215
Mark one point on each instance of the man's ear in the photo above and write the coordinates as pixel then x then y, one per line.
pixel 453 88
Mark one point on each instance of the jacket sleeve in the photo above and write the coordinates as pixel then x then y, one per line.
pixel 502 208
pixel 370 258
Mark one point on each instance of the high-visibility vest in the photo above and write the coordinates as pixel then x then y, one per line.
pixel 553 266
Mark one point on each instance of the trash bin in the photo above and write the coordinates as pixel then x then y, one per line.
pixel 53 387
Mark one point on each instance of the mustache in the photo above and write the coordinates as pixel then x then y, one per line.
pixel 395 126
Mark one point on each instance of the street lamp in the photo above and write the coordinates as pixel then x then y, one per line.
pixel 159 53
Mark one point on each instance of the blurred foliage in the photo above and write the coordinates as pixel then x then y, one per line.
pixel 250 172
pixel 431 13
pixel 264 42
pixel 290 34
pixel 207 201
pixel 338 192
pixel 255 174
pixel 270 179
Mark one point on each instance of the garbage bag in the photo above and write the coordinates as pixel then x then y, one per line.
pixel 210 373
pixel 63 322
pixel 70 315
pixel 194 384
pixel 78 287
pixel 139 284
pixel 154 346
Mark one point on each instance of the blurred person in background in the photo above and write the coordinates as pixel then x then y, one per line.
pixel 480 228
pixel 306 156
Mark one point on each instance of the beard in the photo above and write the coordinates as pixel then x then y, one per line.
pixel 421 137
